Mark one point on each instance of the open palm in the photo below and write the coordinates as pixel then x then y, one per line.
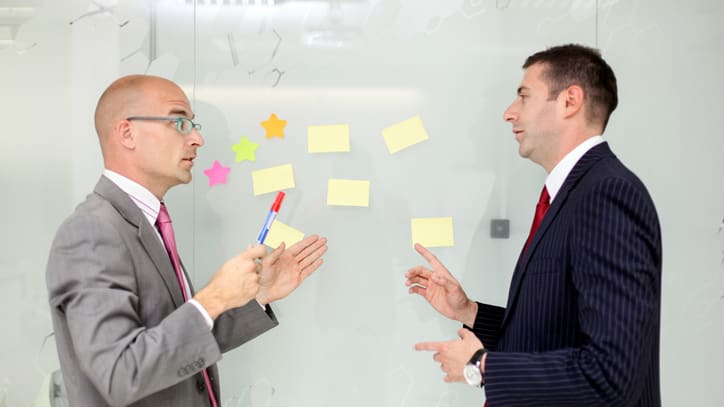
pixel 283 273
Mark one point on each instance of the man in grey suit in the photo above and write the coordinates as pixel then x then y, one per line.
pixel 125 334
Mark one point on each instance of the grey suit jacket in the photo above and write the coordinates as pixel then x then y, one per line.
pixel 123 332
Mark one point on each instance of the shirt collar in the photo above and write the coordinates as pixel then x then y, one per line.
pixel 560 172
pixel 142 197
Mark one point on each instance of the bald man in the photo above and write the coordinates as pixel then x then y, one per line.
pixel 129 329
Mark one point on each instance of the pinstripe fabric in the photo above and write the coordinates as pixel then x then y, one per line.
pixel 581 327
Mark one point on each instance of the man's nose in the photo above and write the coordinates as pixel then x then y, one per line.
pixel 509 114
pixel 197 138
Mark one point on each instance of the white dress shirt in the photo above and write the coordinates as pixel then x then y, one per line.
pixel 560 172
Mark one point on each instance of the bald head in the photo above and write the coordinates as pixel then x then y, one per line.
pixel 136 122
pixel 124 97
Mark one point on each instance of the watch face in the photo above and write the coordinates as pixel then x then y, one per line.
pixel 472 375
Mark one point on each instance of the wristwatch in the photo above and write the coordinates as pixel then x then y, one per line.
pixel 472 372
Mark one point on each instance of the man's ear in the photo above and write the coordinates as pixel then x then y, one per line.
pixel 573 98
pixel 126 134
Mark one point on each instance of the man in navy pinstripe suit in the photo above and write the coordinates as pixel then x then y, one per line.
pixel 581 325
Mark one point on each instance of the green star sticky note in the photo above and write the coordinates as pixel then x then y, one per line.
pixel 244 150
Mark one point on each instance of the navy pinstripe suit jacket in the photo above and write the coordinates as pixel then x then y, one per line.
pixel 581 327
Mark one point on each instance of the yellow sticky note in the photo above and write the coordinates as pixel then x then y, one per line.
pixel 433 232
pixel 404 134
pixel 347 192
pixel 273 179
pixel 279 232
pixel 328 139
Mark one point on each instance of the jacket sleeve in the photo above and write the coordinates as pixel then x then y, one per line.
pixel 487 325
pixel 240 325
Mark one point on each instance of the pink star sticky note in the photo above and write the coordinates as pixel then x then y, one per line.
pixel 217 173
pixel 274 126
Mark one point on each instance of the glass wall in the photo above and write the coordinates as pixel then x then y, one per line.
pixel 346 336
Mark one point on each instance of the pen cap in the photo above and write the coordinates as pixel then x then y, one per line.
pixel 278 202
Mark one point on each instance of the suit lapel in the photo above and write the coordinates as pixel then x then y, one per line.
pixel 582 166
pixel 146 235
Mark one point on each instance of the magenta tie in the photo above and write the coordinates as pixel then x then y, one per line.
pixel 163 222
pixel 540 211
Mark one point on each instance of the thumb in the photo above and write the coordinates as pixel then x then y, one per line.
pixel 275 254
pixel 464 333
pixel 468 337
pixel 255 252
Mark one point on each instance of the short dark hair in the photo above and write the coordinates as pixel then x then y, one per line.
pixel 573 64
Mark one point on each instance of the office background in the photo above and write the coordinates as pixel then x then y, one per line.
pixel 346 336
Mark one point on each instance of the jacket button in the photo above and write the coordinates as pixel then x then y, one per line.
pixel 200 386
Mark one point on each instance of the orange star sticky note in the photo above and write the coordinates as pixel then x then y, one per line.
pixel 274 126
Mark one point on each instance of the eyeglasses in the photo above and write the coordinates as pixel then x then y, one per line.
pixel 183 124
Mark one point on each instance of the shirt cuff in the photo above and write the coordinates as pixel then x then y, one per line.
pixel 202 310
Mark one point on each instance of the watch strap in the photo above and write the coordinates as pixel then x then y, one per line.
pixel 476 359
pixel 477 356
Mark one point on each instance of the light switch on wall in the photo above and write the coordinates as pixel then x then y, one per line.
pixel 500 228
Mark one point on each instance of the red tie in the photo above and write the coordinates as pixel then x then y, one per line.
pixel 540 211
pixel 163 222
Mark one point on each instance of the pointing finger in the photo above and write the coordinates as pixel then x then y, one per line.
pixel 429 346
pixel 431 258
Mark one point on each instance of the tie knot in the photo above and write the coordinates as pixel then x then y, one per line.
pixel 163 216
pixel 544 197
